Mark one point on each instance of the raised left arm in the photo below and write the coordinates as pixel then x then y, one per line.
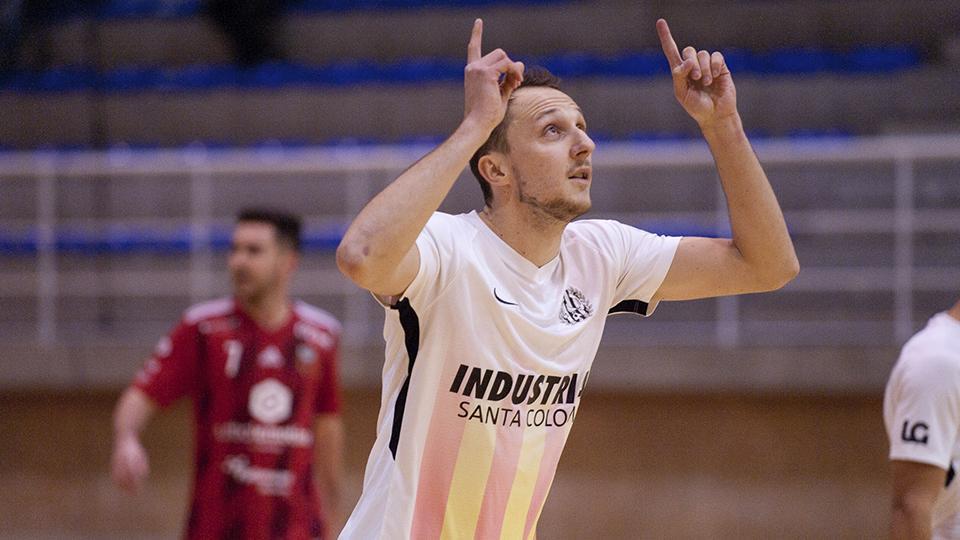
pixel 760 255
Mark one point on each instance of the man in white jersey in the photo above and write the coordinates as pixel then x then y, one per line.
pixel 921 409
pixel 494 317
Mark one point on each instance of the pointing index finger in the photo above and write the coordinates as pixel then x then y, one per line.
pixel 473 48
pixel 668 45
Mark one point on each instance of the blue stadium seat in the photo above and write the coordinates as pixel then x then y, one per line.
pixel 61 79
pixel 635 64
pixel 426 140
pixel 272 75
pixel 657 136
pixel 882 59
pixel 201 77
pixel 281 144
pixel 795 61
pixel 813 134
pixel 126 9
pixel 133 79
pixel 62 148
pixel 319 6
pixel 738 60
pixel 352 141
pixel 346 73
pixel 419 70
pixel 428 69
pixel 323 239
pixel 570 65
pixel 18 243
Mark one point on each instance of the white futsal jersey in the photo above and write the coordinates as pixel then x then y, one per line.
pixel 922 411
pixel 486 357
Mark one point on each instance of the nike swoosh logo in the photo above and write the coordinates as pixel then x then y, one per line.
pixel 501 300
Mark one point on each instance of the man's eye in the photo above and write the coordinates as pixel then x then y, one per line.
pixel 551 129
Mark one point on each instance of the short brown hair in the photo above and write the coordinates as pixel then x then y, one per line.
pixel 286 225
pixel 533 76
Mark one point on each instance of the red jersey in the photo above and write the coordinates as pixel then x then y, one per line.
pixel 256 394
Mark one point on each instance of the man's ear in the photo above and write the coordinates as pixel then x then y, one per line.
pixel 292 260
pixel 492 167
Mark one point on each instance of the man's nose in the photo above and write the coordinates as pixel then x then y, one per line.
pixel 584 146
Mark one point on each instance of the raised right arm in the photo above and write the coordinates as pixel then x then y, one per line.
pixel 378 251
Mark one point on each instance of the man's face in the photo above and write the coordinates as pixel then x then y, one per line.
pixel 258 263
pixel 549 153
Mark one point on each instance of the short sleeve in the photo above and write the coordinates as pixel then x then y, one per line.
pixel 922 409
pixel 172 370
pixel 328 395
pixel 646 258
pixel 441 243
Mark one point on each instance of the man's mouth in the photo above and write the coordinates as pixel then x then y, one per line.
pixel 581 174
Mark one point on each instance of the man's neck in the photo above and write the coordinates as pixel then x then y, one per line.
pixel 534 236
pixel 270 312
pixel 954 311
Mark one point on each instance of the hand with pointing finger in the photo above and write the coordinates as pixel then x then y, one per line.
pixel 701 80
pixel 488 82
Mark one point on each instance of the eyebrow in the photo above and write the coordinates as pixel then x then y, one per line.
pixel 554 110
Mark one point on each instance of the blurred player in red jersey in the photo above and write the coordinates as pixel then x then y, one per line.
pixel 261 370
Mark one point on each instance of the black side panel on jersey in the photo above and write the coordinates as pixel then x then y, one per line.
pixel 630 306
pixel 411 332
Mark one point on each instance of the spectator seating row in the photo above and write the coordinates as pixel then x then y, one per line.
pixel 801 134
pixel 120 240
pixel 617 107
pixel 425 70
pixel 135 9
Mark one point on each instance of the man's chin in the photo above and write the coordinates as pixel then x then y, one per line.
pixel 582 209
pixel 246 295
pixel 564 210
pixel 571 210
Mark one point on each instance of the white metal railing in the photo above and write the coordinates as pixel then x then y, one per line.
pixel 361 171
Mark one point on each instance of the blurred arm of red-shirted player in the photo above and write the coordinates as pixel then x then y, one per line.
pixel 130 464
pixel 329 469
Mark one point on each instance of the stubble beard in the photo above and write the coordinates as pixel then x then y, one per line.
pixel 558 208
pixel 253 292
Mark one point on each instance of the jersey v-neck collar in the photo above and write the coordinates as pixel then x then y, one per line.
pixel 511 257
pixel 272 334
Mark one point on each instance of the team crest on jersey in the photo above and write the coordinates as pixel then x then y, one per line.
pixel 271 402
pixel 575 306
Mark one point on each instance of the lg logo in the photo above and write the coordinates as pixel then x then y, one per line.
pixel 917 432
